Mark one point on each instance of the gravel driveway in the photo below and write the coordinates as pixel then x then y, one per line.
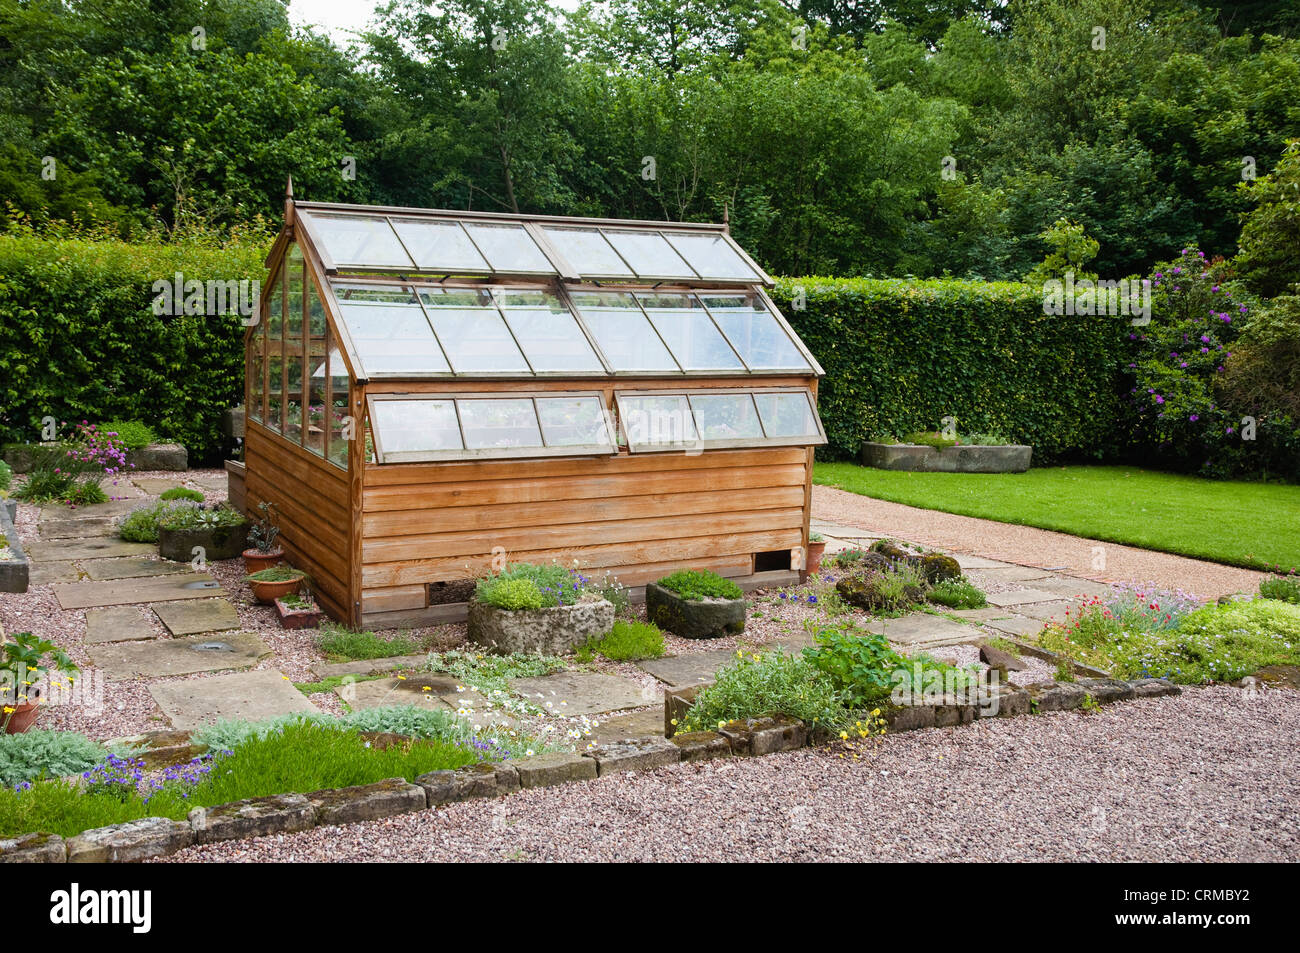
pixel 1211 775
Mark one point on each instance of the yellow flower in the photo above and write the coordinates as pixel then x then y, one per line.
pixel 673 722
pixel 844 736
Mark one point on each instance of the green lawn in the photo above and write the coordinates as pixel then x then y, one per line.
pixel 1243 524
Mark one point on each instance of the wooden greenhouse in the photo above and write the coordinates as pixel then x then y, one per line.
pixel 432 393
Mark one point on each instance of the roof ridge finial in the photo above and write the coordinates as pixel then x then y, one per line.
pixel 726 217
pixel 288 189
pixel 288 203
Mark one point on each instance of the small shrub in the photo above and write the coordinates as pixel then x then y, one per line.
pixel 141 524
pixel 771 684
pixel 182 493
pixel 490 674
pixel 194 516
pixel 340 643
pixel 696 584
pixel 279 573
pixel 133 434
pixel 44 485
pixel 513 595
pixel 85 493
pixel 555 584
pixel 930 439
pixel 627 642
pixel 957 594
pixel 860 663
pixel 1282 588
pixel 51 754
pixel 893 590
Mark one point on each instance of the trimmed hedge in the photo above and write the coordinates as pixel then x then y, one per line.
pixel 79 339
pixel 901 354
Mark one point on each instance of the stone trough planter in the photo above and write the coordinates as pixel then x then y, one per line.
pixel 14 571
pixel 221 542
pixel 694 618
pixel 297 618
pixel 1011 458
pixel 552 631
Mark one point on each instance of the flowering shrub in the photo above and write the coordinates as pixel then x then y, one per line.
pixel 771 684
pixel 74 474
pixel 529 586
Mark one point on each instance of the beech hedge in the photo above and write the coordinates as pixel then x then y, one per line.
pixel 902 354
pixel 79 338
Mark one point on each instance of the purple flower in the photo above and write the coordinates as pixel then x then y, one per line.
pixel 1159 399
pixel 1193 418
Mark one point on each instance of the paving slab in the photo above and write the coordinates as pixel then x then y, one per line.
pixel 1047 610
pixel 1021 597
pixel 156 486
pixel 129 567
pixel 1005 574
pixel 118 624
pixel 635 724
pixel 583 693
pixel 113 508
pixel 95 547
pixel 691 669
pixel 189 617
pixel 920 630
pixel 982 615
pixel 121 592
pixel 66 529
pixel 248 696
pixel 979 562
pixel 1073 586
pixel 59 570
pixel 367 666
pixel 386 692
pixel 194 653
pixel 1015 625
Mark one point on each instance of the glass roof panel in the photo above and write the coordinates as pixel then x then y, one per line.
pixel 754 332
pixel 548 333
pixel 412 426
pixel 712 256
pixel 588 251
pixel 648 254
pixel 689 332
pixel 573 422
pixel 726 417
pixel 499 423
pixel 439 245
pixel 362 240
pixel 389 330
pixel 472 332
pixel 657 422
pixel 787 415
pixel 627 339
pixel 509 248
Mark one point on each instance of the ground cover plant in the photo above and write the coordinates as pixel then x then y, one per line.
pixel 628 641
pixel 195 516
pixel 1283 588
pixel 957 594
pixel 1153 634
pixel 181 493
pixel 133 434
pixel 696 584
pixel 39 753
pixel 141 524
pixel 762 685
pixel 342 644
pixel 529 586
pixel 1162 511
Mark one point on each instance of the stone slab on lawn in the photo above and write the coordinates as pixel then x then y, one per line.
pixel 190 617
pixel 131 567
pixel 1015 625
pixel 634 754
pixel 93 547
pixel 690 669
pixel 59 570
pixel 118 624
pixel 1021 597
pixel 582 693
pixel 635 724
pixel 187 656
pixel 122 592
pixel 129 842
pixel 559 767
pixel 249 696
pixel 921 630
pixel 1043 611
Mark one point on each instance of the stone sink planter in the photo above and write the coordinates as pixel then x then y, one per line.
pixel 297 618
pixel 222 542
pixel 694 618
pixel 1009 458
pixel 14 571
pixel 555 630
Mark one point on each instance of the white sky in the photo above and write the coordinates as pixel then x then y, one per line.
pixel 342 19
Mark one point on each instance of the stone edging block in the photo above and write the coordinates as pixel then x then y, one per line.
pixel 367 802
pixel 634 754
pixel 253 817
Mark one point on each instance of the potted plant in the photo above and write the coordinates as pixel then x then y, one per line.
pixel 220 531
pixel 298 610
pixel 696 604
pixel 816 550
pixel 26 663
pixel 544 609
pixel 262 534
pixel 274 583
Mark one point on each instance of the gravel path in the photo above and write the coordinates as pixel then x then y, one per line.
pixel 1028 546
pixel 1211 775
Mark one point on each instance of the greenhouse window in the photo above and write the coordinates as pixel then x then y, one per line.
pixel 717 419
pixel 419 428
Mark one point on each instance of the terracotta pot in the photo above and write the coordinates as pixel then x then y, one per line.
pixel 815 553
pixel 23 718
pixel 267 592
pixel 255 560
pixel 291 618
